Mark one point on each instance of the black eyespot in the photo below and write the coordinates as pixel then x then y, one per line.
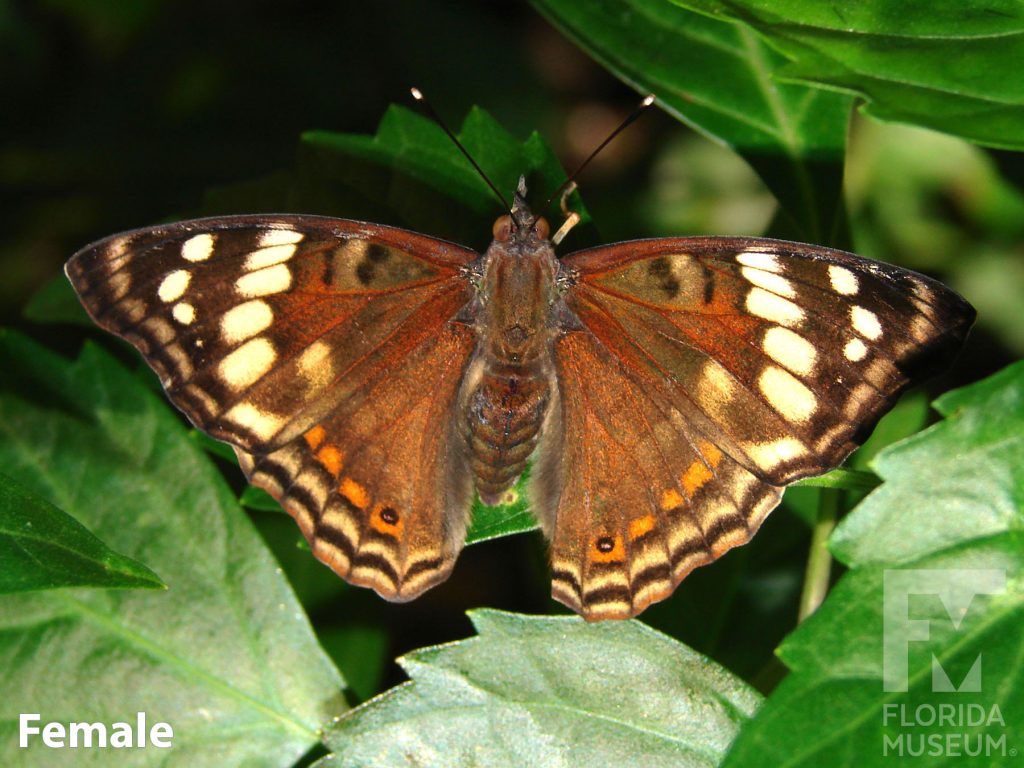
pixel 365 272
pixel 605 544
pixel 389 516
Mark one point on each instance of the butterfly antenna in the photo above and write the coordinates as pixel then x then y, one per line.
pixel 418 95
pixel 643 105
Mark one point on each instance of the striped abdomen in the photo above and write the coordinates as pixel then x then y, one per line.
pixel 506 409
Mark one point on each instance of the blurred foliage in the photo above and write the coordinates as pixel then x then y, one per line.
pixel 123 114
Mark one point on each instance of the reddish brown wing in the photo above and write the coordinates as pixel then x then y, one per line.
pixel 311 344
pixel 780 356
pixel 630 494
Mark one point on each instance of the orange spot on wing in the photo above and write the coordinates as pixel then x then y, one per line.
pixel 314 437
pixel 670 499
pixel 354 492
pixel 695 476
pixel 644 525
pixel 700 471
pixel 711 453
pixel 386 520
pixel 330 457
pixel 608 550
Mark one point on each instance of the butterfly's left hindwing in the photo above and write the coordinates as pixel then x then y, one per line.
pixel 309 344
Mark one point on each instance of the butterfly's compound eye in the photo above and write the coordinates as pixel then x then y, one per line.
pixel 542 228
pixel 503 228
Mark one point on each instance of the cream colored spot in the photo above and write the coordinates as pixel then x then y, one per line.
pixel 181 362
pixel 877 373
pixel 135 309
pixel 716 390
pixel 759 260
pixel 769 281
pixel 920 328
pixel 787 394
pixel 174 285
pixel 198 247
pixel 280 237
pixel 865 322
pixel 771 454
pixel 265 282
pixel 159 330
pixel 775 308
pixel 843 280
pixel 790 349
pixel 267 257
pixel 117 253
pixel 925 294
pixel 119 284
pixel 859 397
pixel 855 350
pixel 314 487
pixel 184 313
pixel 247 363
pixel 262 424
pixel 315 364
pixel 245 320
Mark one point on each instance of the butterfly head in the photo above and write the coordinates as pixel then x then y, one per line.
pixel 519 227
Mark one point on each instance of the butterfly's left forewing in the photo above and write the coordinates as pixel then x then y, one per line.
pixel 717 370
pixel 323 350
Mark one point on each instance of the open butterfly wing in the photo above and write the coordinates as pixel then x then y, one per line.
pixel 785 355
pixel 631 496
pixel 716 370
pixel 322 349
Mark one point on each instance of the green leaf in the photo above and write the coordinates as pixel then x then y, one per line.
pixel 720 79
pixel 56 302
pixel 847 479
pixel 412 174
pixel 961 479
pixel 951 505
pixel 361 652
pixel 512 516
pixel 256 498
pixel 213 447
pixel 43 547
pixel 948 65
pixel 549 691
pixel 225 654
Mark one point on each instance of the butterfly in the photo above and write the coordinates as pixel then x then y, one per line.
pixel 373 379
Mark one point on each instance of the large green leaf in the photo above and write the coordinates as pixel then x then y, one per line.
pixel 551 691
pixel 951 65
pixel 412 174
pixel 951 507
pixel 720 79
pixel 225 654
pixel 42 547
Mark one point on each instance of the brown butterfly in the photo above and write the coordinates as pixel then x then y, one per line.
pixel 371 378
